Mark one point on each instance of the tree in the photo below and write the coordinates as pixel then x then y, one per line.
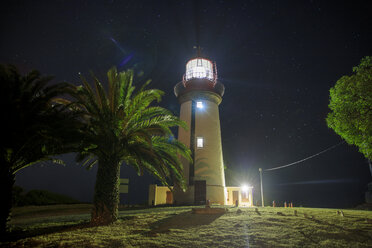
pixel 34 130
pixel 122 126
pixel 351 108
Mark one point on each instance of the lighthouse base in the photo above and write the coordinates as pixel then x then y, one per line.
pixel 163 195
pixel 200 193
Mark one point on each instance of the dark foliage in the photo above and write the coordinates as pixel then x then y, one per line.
pixel 39 197
pixel 34 127
pixel 351 108
pixel 123 126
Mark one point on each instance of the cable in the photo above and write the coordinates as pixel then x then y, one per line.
pixel 197 24
pixel 302 160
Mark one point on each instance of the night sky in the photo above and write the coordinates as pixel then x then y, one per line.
pixel 277 60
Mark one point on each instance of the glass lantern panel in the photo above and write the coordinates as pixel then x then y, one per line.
pixel 199 68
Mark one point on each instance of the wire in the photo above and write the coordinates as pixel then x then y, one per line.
pixel 197 24
pixel 302 160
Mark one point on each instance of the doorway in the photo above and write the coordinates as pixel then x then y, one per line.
pixel 169 199
pixel 200 193
pixel 235 197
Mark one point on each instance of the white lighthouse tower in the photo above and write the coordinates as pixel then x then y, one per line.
pixel 199 94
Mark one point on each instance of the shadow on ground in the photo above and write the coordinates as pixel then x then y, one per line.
pixel 183 221
pixel 18 234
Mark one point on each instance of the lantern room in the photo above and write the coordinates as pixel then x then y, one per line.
pixel 201 75
pixel 200 68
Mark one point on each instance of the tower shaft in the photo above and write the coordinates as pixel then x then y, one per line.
pixel 199 99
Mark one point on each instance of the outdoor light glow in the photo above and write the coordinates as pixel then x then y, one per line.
pixel 199 68
pixel 199 105
pixel 244 188
pixel 199 142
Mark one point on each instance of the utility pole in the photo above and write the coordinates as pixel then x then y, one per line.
pixel 262 198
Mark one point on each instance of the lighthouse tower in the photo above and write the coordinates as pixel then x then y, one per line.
pixel 199 94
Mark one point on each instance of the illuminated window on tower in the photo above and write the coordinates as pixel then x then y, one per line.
pixel 199 105
pixel 199 142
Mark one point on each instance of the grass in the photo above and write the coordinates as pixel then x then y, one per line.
pixel 68 226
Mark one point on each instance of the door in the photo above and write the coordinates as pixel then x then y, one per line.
pixel 200 193
pixel 169 199
pixel 235 197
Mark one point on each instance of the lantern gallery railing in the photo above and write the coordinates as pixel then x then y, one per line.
pixel 217 87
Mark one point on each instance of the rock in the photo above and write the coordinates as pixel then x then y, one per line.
pixel 256 209
pixel 152 234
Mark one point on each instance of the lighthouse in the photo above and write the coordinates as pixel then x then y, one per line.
pixel 200 94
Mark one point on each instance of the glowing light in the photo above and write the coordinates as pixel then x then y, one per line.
pixel 199 105
pixel 245 188
pixel 199 68
pixel 199 142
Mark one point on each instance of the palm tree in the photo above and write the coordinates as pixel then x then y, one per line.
pixel 123 126
pixel 34 129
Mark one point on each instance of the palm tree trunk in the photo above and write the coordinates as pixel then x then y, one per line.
pixel 7 180
pixel 106 192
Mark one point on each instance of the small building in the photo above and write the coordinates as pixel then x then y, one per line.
pixel 243 195
pixel 160 195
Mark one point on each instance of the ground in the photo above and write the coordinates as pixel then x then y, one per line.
pixel 67 226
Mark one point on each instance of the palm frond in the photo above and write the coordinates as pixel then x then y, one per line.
pixel 123 124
